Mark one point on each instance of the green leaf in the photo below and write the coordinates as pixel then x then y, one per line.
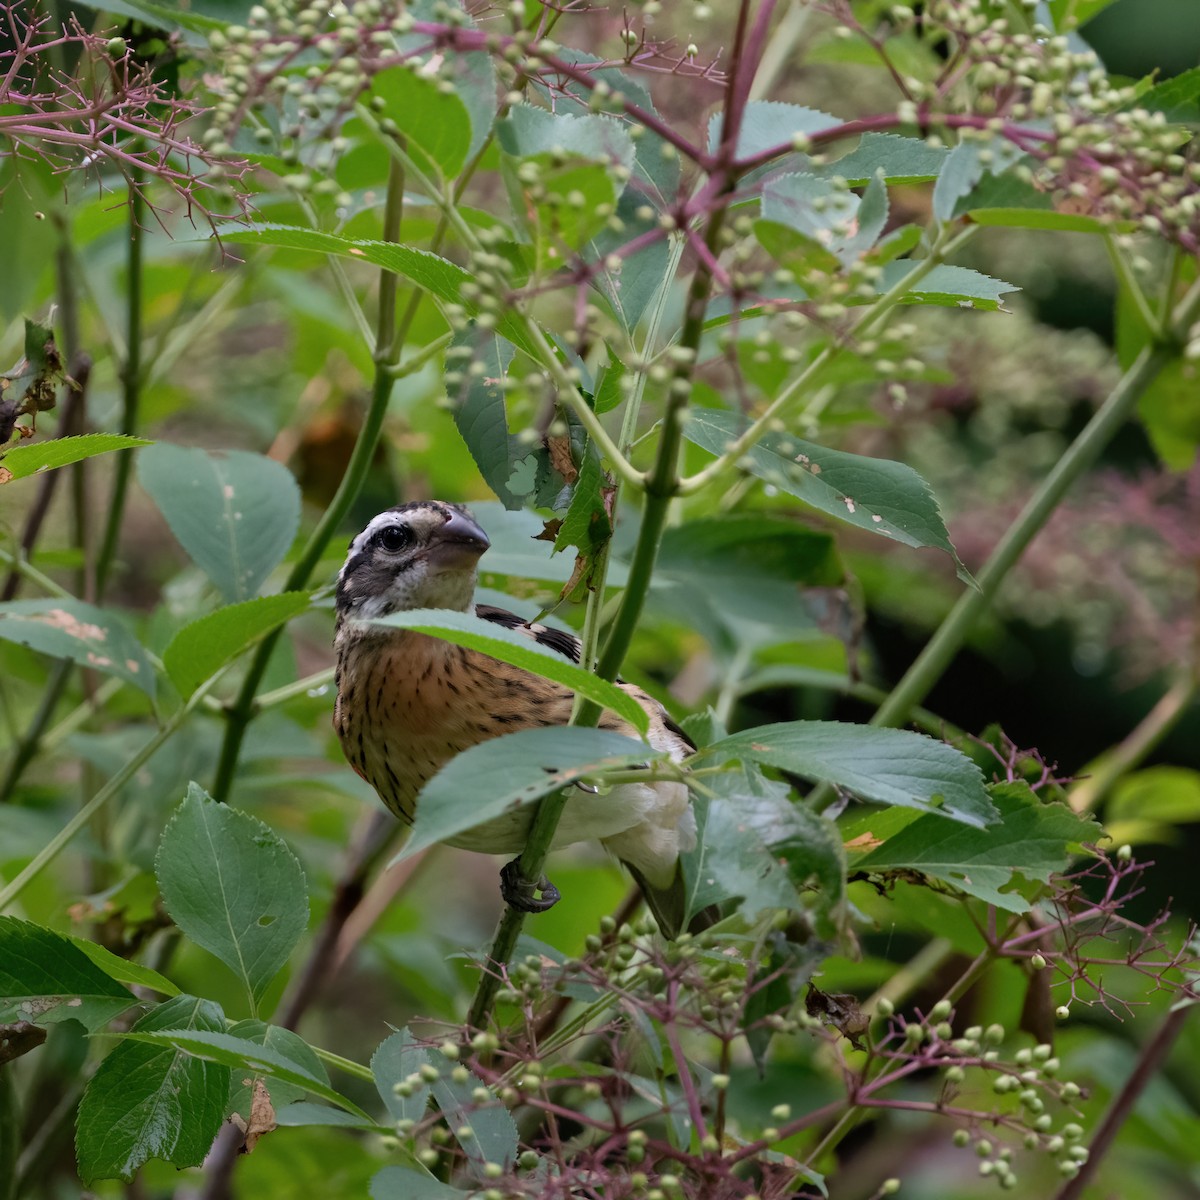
pixel 242 1055
pixel 1042 218
pixel 582 162
pixel 124 970
pixel 740 862
pixel 744 570
pixel 1032 839
pixel 493 1132
pixel 235 513
pixel 831 217
pixel 431 273
pixel 586 524
pixel 609 393
pixel 394 1060
pixel 769 123
pixel 965 166
pixel 36 457
pixel 902 160
pixel 151 1101
pixel 1177 98
pixel 521 475
pixel 199 650
pixel 233 887
pixel 44 978
pixel 888 766
pixel 1167 794
pixel 437 121
pixel 409 1183
pixel 281 1041
pixel 66 628
pixel 465 629
pixel 948 286
pixel 515 769
pixel 305 1112
pixel 875 494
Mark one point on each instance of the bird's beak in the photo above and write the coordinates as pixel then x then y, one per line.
pixel 458 544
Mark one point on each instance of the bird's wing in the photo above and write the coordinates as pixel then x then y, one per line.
pixel 566 644
pixel 569 646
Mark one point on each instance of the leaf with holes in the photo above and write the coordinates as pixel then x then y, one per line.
pixel 878 495
pixel 235 513
pixel 888 766
pixel 1032 839
pixel 233 887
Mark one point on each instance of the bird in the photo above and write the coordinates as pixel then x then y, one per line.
pixel 408 702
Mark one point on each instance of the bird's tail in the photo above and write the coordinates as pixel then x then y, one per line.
pixel 670 904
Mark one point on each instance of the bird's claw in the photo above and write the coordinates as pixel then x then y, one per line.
pixel 521 893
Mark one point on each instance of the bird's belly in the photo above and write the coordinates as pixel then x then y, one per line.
pixel 586 816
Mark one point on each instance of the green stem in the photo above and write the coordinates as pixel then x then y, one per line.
pixel 54 847
pixel 290 691
pixel 1100 776
pixel 131 386
pixel 1129 281
pixel 875 315
pixel 387 339
pixel 1080 455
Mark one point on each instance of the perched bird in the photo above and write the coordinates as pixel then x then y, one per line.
pixel 407 703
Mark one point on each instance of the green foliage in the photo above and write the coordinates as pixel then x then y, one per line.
pixel 233 887
pixel 681 344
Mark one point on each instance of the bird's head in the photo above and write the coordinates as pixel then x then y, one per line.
pixel 420 555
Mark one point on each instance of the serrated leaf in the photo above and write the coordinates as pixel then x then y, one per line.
pixel 875 494
pixel 769 123
pixel 235 513
pixel 1177 98
pixel 1031 839
pixel 36 457
pixel 965 166
pixel 741 864
pixel 437 121
pixel 827 215
pixel 521 475
pixel 235 1052
pixel 233 887
pixel 609 393
pixel 888 766
pixel 948 286
pixel 199 650
pixel 44 979
pixel 92 637
pixel 586 524
pixel 281 1041
pixel 1043 218
pixel 124 970
pixel 515 769
pixel 394 1060
pixel 152 1101
pixel 902 160
pixel 428 271
pixel 465 629
pixel 493 1132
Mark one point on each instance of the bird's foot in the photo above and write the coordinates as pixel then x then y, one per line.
pixel 521 893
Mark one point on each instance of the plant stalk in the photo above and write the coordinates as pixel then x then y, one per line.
pixel 387 341
pixel 971 605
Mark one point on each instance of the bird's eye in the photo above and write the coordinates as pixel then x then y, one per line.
pixel 394 538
